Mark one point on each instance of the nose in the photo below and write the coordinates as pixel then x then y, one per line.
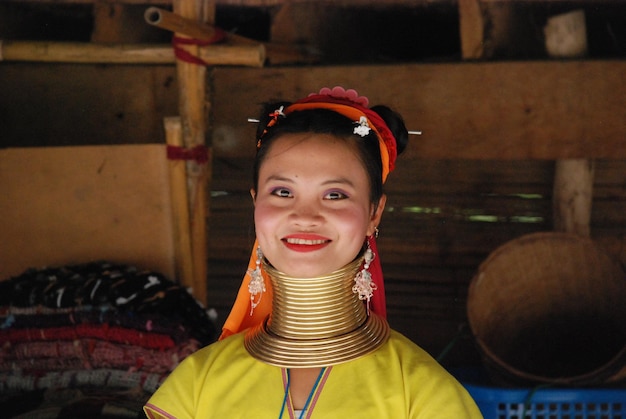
pixel 306 212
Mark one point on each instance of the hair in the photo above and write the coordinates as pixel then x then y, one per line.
pixel 325 121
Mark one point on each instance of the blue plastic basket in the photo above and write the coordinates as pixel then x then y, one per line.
pixel 547 403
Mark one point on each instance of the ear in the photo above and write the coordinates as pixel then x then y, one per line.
pixel 377 214
pixel 253 195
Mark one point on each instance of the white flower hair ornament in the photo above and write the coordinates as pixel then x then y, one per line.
pixel 363 128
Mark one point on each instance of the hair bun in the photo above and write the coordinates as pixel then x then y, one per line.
pixel 395 123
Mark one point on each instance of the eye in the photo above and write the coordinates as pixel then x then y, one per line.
pixel 333 195
pixel 282 192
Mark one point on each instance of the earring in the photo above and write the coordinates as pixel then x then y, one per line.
pixel 364 286
pixel 257 284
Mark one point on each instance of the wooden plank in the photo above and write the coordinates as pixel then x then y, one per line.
pixel 44 105
pixel 478 110
pixel 65 205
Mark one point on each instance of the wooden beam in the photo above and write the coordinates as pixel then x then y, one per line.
pixel 478 110
pixel 91 53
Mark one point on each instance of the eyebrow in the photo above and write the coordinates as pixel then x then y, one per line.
pixel 340 180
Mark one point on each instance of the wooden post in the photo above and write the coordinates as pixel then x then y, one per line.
pixel 573 181
pixel 194 108
pixel 471 24
pixel 573 195
pixel 183 260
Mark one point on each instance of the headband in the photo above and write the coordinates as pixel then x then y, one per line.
pixel 355 108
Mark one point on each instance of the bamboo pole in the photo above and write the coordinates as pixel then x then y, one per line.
pixel 90 53
pixel 185 26
pixel 194 109
pixel 240 55
pixel 573 180
pixel 277 53
pixel 85 52
pixel 173 22
pixel 183 260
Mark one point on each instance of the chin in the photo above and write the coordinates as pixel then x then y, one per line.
pixel 313 272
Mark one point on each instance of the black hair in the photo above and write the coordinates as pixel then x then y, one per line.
pixel 325 121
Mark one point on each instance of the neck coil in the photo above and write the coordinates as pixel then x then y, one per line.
pixel 315 322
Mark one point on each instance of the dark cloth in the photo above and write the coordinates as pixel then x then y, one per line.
pixel 93 340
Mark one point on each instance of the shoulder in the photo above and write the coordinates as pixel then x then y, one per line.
pixel 212 355
pixel 405 350
pixel 430 386
pixel 414 362
pixel 202 379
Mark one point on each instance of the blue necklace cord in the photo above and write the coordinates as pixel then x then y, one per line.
pixel 308 400
pixel 282 409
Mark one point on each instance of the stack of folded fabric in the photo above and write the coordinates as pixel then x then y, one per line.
pixel 92 340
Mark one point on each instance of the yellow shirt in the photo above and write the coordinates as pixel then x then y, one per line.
pixel 399 380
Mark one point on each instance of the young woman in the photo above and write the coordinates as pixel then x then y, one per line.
pixel 307 337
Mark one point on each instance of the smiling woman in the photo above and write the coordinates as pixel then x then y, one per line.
pixel 308 336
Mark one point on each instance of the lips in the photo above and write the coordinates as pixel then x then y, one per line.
pixel 305 242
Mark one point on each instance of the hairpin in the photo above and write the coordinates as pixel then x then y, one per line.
pixel 278 112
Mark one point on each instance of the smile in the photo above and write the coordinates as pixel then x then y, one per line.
pixel 305 241
pixel 299 243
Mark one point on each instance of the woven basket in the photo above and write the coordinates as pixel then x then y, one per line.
pixel 550 308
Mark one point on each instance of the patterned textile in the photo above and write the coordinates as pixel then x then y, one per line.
pixel 91 354
pixel 102 286
pixel 92 340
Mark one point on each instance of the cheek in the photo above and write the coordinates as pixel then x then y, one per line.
pixel 354 222
pixel 265 218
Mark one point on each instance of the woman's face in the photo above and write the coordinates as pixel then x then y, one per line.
pixel 312 207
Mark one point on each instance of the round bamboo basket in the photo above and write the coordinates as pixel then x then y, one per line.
pixel 550 308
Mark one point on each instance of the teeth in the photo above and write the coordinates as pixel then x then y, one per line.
pixel 303 241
